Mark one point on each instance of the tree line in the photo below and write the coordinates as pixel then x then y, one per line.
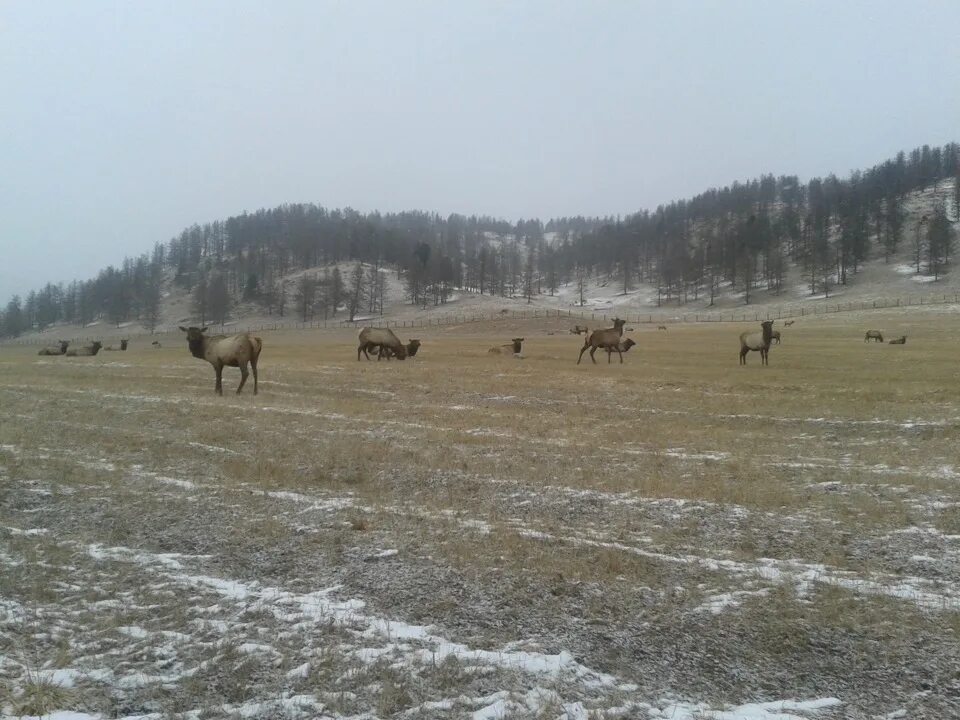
pixel 288 260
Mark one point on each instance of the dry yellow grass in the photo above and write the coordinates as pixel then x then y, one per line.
pixel 525 497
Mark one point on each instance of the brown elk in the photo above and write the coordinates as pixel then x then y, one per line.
pixel 579 330
pixel 226 351
pixel 85 350
pixel 607 338
pixel 757 341
pixel 371 338
pixel 902 340
pixel 60 349
pixel 874 335
pixel 123 345
pixel 513 347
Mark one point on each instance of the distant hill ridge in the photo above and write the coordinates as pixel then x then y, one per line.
pixel 877 232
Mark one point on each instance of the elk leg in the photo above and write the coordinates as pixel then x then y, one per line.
pixel 243 375
pixel 620 353
pixel 592 351
pixel 581 353
pixel 219 386
pixel 253 366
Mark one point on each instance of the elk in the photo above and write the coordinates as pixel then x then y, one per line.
pixel 411 347
pixel 607 338
pixel 775 335
pixel 156 344
pixel 511 348
pixel 623 346
pixel 56 349
pixel 377 339
pixel 757 341
pixel 661 327
pixel 579 330
pixel 85 350
pixel 902 340
pixel 788 323
pixel 123 345
pixel 874 335
pixel 225 350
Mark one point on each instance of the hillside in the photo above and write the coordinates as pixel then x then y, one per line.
pixel 884 233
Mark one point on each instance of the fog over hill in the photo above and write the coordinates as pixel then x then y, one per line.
pixel 885 231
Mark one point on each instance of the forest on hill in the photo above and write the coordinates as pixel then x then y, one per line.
pixel 287 259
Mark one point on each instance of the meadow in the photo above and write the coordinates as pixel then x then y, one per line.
pixel 463 535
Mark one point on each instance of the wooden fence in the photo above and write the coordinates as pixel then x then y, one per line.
pixel 661 317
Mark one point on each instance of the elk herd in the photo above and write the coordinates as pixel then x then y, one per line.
pixel 242 350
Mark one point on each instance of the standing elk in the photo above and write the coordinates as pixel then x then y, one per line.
pixel 607 338
pixel 579 330
pixel 226 350
pixel 371 339
pixel 874 335
pixel 661 327
pixel 775 335
pixel 123 345
pixel 788 323
pixel 60 349
pixel 757 341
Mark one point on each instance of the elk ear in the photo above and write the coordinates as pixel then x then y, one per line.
pixel 203 329
pixel 182 328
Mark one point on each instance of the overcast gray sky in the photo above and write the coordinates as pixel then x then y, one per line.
pixel 122 123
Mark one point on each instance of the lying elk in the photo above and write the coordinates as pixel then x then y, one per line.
pixel 607 338
pixel 123 345
pixel 511 348
pixel 874 335
pixel 902 340
pixel 757 341
pixel 85 350
pixel 377 339
pixel 788 323
pixel 156 344
pixel 225 350
pixel 579 330
pixel 60 349
pixel 411 347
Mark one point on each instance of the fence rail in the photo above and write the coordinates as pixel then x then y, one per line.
pixel 660 318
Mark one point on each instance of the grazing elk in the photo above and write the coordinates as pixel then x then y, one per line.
pixel 874 335
pixel 123 345
pixel 60 349
pixel 226 350
pixel 902 340
pixel 757 341
pixel 607 338
pixel 85 350
pixel 371 339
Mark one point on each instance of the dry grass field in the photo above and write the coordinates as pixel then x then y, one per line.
pixel 462 535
